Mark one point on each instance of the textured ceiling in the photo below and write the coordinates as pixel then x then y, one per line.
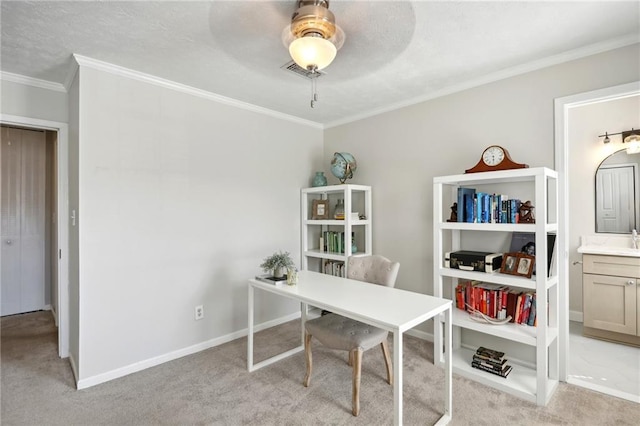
pixel 395 52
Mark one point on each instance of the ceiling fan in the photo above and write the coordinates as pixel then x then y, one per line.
pixel 313 39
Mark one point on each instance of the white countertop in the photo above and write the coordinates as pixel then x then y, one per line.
pixel 608 245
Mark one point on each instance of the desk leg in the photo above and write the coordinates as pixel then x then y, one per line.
pixel 397 377
pixel 304 314
pixel 250 332
pixel 448 397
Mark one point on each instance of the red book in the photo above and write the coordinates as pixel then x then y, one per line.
pixel 512 298
pixel 526 307
pixel 518 308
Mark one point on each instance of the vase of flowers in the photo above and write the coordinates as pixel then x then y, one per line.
pixel 277 263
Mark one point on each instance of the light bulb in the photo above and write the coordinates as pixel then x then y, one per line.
pixel 312 52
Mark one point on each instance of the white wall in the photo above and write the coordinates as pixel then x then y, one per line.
pixel 33 102
pixel 180 199
pixel 74 285
pixel 587 152
pixel 400 152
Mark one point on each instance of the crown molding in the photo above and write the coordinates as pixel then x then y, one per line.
pixel 568 56
pixel 84 61
pixel 30 81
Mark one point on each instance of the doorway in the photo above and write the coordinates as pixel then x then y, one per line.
pixel 59 227
pixel 592 355
pixel 27 202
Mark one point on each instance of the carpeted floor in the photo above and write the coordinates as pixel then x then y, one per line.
pixel 214 387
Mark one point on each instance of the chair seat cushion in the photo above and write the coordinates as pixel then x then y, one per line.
pixel 338 332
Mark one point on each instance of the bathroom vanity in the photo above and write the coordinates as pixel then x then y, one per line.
pixel 611 288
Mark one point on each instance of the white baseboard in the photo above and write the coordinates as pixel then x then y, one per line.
pixel 161 359
pixel 575 316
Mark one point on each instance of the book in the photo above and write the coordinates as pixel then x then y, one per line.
pixel 525 242
pixel 499 368
pixel 503 373
pixel 270 279
pixel 489 353
pixel 489 361
pixel 532 312
pixel 512 298
pixel 463 195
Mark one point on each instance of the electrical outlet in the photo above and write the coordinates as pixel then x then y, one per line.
pixel 199 312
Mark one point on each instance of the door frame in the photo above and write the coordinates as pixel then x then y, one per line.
pixel 62 213
pixel 561 160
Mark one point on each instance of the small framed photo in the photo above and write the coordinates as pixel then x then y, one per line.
pixel 525 265
pixel 320 209
pixel 509 263
pixel 517 264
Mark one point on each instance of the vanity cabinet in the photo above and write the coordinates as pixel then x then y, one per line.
pixel 611 292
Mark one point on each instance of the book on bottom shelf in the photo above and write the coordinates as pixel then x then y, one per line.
pixel 504 373
pixel 491 361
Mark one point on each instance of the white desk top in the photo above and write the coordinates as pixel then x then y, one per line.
pixel 385 307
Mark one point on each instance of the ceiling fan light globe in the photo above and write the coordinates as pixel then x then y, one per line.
pixel 312 52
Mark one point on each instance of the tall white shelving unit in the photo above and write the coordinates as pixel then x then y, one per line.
pixel 357 198
pixel 533 382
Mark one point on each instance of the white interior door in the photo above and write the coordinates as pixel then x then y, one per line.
pixel 22 227
pixel 615 199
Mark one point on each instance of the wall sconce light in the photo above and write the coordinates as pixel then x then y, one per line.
pixel 631 137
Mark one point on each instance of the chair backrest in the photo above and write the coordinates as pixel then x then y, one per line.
pixel 373 269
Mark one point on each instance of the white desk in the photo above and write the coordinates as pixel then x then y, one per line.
pixel 388 308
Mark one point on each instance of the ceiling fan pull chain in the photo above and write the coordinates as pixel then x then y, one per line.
pixel 314 94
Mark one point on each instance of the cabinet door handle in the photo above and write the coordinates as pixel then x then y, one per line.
pixel 631 282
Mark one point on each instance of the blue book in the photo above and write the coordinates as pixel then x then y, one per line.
pixel 479 206
pixel 532 311
pixel 486 208
pixel 468 208
pixel 462 193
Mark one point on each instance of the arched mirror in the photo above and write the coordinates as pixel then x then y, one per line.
pixel 617 194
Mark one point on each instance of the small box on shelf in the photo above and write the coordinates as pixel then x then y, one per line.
pixel 479 261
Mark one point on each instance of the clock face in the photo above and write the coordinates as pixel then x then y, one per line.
pixel 493 156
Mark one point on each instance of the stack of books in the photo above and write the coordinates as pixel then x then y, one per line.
pixel 491 361
pixel 270 279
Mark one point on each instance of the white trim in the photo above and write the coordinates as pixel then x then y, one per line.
pixel 83 61
pixel 575 316
pixel 161 359
pixel 561 108
pixel 62 212
pixel 30 81
pixel 71 74
pixel 499 75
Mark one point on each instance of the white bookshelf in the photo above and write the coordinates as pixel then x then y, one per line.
pixel 357 198
pixel 536 382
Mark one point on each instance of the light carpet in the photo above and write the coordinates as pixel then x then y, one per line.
pixel 214 387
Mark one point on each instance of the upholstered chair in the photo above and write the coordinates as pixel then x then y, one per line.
pixel 340 333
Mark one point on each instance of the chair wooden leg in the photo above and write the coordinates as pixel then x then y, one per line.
pixel 387 361
pixel 307 352
pixel 357 366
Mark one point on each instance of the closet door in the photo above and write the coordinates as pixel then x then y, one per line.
pixel 23 154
